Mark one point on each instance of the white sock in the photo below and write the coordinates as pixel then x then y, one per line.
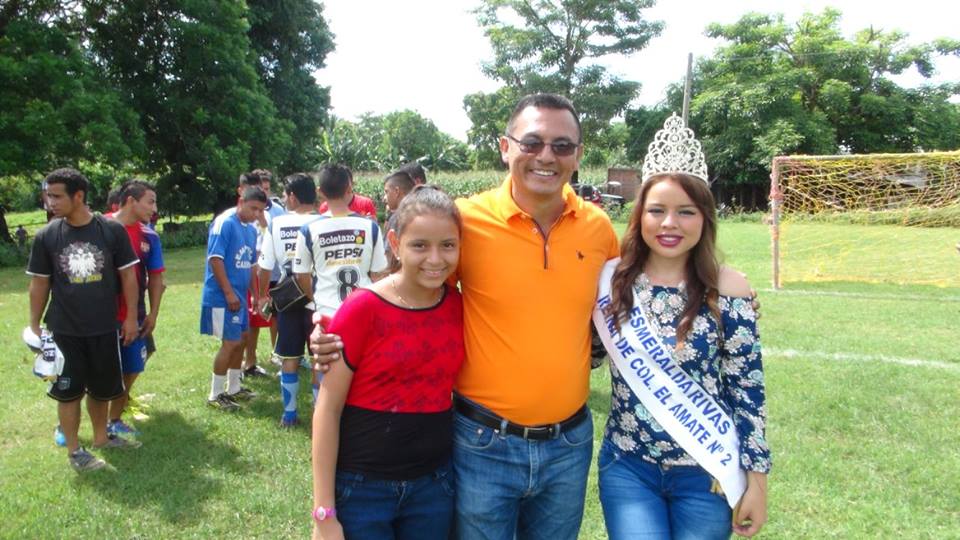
pixel 216 385
pixel 233 381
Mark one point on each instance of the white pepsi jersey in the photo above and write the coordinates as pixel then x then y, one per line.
pixel 279 242
pixel 340 252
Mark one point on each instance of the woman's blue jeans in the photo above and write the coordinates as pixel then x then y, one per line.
pixel 371 509
pixel 645 501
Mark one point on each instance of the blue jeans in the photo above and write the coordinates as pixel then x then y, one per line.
pixel 371 509
pixel 509 487
pixel 642 500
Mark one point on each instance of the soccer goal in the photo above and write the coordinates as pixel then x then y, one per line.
pixel 881 218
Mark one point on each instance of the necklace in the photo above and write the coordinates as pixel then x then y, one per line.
pixel 393 283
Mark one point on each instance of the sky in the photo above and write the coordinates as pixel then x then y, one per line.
pixel 425 55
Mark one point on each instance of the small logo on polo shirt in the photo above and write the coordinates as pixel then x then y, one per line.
pixel 579 255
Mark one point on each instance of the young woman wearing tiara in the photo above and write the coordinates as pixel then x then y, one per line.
pixel 382 428
pixel 684 443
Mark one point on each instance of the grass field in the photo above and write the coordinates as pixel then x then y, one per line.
pixel 863 385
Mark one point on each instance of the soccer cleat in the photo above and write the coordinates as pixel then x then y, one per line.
pixel 244 394
pixel 255 371
pixel 121 429
pixel 82 461
pixel 289 423
pixel 59 438
pixel 113 441
pixel 224 403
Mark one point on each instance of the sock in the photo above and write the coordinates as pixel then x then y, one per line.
pixel 289 388
pixel 216 385
pixel 233 381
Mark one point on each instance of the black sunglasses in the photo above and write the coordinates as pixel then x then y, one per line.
pixel 562 148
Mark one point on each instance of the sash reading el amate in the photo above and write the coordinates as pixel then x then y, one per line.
pixel 676 401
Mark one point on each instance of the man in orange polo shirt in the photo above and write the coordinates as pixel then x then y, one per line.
pixel 531 256
pixel 530 261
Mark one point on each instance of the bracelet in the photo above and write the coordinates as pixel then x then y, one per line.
pixel 320 513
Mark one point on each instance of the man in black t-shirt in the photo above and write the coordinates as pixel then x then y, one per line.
pixel 79 262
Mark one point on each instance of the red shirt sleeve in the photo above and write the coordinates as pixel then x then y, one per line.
pixel 352 323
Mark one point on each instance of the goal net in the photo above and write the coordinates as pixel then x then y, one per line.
pixel 892 218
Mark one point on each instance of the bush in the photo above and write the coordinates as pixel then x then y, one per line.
pixel 12 255
pixel 186 234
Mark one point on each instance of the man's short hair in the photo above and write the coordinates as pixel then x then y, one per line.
pixel 302 186
pixel 402 180
pixel 72 180
pixel 249 179
pixel 253 193
pixel 263 174
pixel 545 101
pixel 135 188
pixel 335 180
pixel 416 172
pixel 113 197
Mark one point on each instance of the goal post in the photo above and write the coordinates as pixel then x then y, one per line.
pixel 891 218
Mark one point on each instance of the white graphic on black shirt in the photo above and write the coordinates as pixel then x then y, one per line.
pixel 82 262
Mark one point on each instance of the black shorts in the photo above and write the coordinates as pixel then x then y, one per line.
pixel 151 344
pixel 91 364
pixel 293 330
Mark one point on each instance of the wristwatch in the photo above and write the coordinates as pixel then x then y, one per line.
pixel 320 513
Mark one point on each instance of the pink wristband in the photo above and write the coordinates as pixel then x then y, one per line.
pixel 320 513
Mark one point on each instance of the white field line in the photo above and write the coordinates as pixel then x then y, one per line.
pixel 869 296
pixel 854 357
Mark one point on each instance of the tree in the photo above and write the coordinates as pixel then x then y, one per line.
pixel 187 68
pixel 384 142
pixel 291 40
pixel 55 109
pixel 804 88
pixel 547 46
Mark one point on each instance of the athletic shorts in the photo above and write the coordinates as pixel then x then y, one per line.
pixel 256 320
pixel 293 332
pixel 223 323
pixel 91 364
pixel 133 357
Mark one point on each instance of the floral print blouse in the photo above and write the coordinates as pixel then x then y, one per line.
pixel 733 376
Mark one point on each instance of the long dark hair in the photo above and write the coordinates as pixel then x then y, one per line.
pixel 703 268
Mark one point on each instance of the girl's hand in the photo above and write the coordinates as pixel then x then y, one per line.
pixel 328 529
pixel 751 513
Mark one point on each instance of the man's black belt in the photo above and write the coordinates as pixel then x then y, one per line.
pixel 536 433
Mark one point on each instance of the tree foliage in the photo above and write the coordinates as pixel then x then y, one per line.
pixel 551 46
pixel 185 67
pixel 778 88
pixel 291 40
pixel 55 108
pixel 384 142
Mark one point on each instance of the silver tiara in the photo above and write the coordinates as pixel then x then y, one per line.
pixel 674 150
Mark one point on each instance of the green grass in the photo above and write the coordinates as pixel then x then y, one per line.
pixel 862 448
pixel 873 253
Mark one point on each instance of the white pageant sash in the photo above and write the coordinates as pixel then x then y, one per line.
pixel 676 401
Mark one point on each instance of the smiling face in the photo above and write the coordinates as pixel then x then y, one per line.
pixel 540 177
pixel 671 223
pixel 428 249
